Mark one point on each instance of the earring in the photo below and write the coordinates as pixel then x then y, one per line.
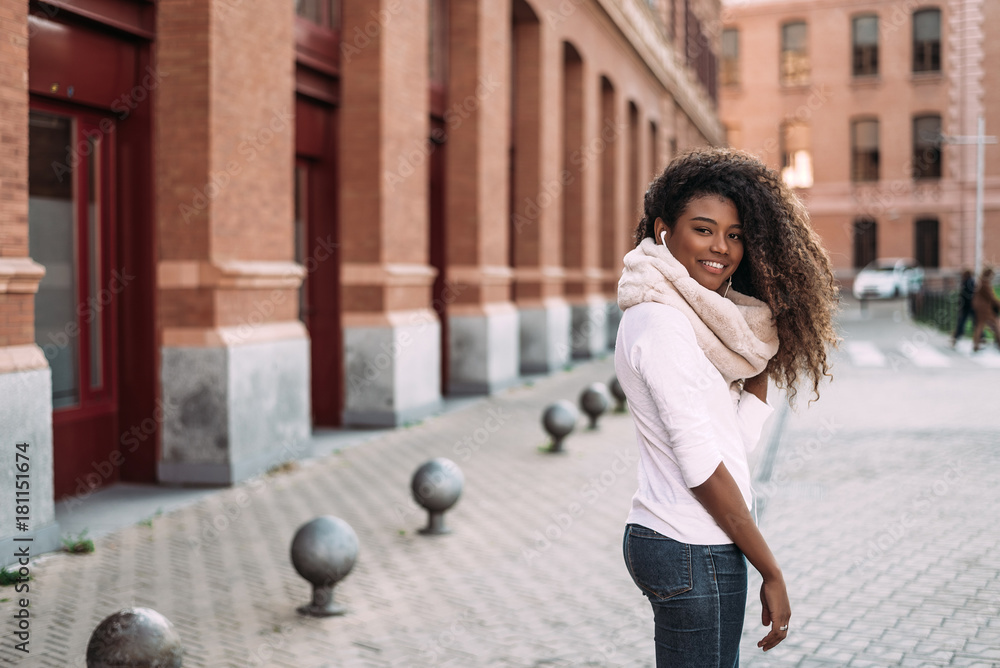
pixel 727 287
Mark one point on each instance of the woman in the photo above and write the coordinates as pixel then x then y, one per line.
pixel 727 287
pixel 985 307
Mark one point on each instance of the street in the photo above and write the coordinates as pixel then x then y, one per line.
pixel 879 502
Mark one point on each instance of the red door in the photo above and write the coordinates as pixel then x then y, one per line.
pixel 317 249
pixel 71 223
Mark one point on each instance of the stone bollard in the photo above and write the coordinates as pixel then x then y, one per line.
pixel 559 419
pixel 323 552
pixel 594 401
pixel 436 486
pixel 618 393
pixel 135 637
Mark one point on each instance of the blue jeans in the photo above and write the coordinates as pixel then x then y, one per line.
pixel 698 593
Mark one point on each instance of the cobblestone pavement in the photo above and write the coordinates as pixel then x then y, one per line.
pixel 879 501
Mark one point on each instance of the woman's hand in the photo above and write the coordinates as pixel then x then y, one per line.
pixel 775 613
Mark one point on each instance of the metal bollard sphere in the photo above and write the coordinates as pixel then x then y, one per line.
pixel 559 419
pixel 594 401
pixel 135 637
pixel 323 552
pixel 618 393
pixel 436 486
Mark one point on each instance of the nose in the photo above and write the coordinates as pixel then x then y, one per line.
pixel 720 244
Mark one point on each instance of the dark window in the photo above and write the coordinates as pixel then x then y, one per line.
pixel 437 51
pixel 925 237
pixel 730 71
pixel 324 13
pixel 865 242
pixel 927 147
pixel 794 54
pixel 927 40
pixel 865 46
pixel 864 150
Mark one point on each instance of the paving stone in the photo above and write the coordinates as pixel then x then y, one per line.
pixel 885 563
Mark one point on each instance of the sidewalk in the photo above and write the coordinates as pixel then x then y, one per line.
pixel 531 573
pixel 879 501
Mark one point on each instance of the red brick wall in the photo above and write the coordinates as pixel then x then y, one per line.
pixel 16 309
pixel 13 128
pixel 225 134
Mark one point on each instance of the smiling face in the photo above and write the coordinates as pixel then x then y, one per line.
pixel 707 239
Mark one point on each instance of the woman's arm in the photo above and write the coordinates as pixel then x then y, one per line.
pixel 721 497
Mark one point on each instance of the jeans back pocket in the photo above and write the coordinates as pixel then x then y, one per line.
pixel 659 566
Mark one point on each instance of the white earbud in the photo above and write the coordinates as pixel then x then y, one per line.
pixel 663 239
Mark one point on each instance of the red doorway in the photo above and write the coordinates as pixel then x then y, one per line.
pixel 317 241
pixel 90 213
pixel 71 233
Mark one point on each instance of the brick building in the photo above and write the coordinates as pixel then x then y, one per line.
pixel 851 99
pixel 225 223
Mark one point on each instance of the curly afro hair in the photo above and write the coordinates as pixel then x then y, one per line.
pixel 784 263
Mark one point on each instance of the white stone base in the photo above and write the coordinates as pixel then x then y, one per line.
pixel 589 328
pixel 26 417
pixel 545 337
pixel 392 374
pixel 232 412
pixel 484 350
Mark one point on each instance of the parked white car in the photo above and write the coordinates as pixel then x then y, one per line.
pixel 888 277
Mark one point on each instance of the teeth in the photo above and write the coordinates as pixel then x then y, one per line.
pixel 716 265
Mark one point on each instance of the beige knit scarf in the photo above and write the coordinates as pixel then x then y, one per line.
pixel 735 332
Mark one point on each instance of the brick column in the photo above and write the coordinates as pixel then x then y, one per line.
pixel 235 358
pixel 482 321
pixel 539 187
pixel 25 377
pixel 392 338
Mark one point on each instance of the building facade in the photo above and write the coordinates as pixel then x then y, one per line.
pixel 226 223
pixel 867 107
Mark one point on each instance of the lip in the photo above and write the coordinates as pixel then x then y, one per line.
pixel 713 270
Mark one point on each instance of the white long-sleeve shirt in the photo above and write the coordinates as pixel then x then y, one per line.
pixel 687 422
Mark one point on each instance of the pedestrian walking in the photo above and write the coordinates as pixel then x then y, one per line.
pixel 986 307
pixel 966 290
pixel 727 287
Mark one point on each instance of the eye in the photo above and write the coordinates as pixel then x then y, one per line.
pixel 703 230
pixel 736 235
